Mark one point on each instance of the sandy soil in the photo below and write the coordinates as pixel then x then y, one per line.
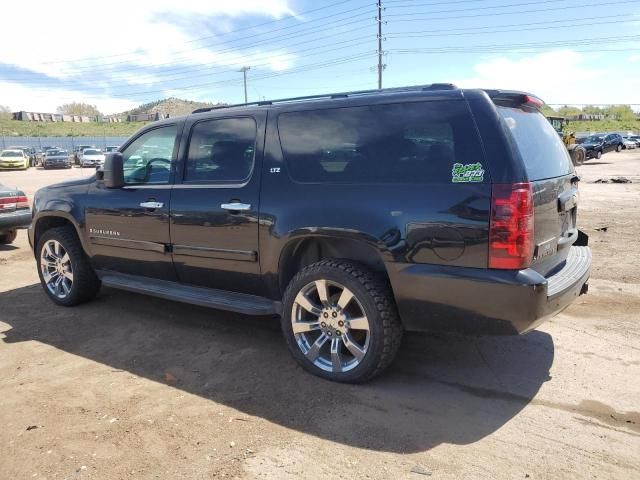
pixel 134 387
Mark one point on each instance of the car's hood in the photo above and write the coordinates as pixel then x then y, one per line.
pixel 93 157
pixel 590 144
pixel 71 183
pixel 57 157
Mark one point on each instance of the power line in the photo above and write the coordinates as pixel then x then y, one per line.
pixel 287 17
pixel 209 70
pixel 457 17
pixel 430 33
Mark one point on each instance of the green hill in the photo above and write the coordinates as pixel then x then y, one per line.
pixel 14 128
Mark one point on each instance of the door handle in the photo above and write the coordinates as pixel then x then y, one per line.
pixel 236 206
pixel 152 204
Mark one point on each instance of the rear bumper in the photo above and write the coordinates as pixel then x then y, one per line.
pixel 486 301
pixel 18 219
pixel 57 164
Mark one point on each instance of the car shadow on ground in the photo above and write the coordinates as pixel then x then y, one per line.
pixel 8 248
pixel 587 163
pixel 441 389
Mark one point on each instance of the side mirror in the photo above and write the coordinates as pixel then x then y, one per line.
pixel 113 170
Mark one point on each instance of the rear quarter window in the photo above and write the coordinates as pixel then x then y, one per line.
pixel 542 151
pixel 418 142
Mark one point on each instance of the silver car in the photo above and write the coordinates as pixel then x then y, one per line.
pixel 91 157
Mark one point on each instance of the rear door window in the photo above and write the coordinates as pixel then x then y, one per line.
pixel 540 146
pixel 418 142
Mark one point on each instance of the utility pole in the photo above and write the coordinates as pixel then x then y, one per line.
pixel 380 65
pixel 244 74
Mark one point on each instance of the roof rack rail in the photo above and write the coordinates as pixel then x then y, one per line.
pixel 414 88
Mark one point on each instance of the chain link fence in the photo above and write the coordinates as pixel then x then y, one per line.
pixel 65 143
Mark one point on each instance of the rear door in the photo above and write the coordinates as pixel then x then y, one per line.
pixel 554 182
pixel 214 209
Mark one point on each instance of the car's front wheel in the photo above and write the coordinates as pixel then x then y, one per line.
pixel 618 147
pixel 65 272
pixel 599 154
pixel 340 321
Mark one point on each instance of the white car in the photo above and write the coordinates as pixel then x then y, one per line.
pixel 91 157
pixel 628 143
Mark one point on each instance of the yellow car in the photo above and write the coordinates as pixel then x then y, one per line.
pixel 14 159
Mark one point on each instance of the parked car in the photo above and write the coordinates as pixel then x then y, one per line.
pixel 14 159
pixel 57 159
pixel 29 152
pixel 111 148
pixel 354 216
pixel 14 213
pixel 635 138
pixel 91 157
pixel 77 152
pixel 597 145
pixel 628 143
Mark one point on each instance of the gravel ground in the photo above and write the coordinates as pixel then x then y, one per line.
pixel 135 387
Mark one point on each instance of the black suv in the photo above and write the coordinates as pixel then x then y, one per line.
pixel 600 143
pixel 353 216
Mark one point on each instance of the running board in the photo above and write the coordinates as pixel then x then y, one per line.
pixel 202 296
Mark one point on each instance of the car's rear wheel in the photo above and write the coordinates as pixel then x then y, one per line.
pixel 65 273
pixel 340 321
pixel 8 237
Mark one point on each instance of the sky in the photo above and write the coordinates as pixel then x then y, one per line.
pixel 119 54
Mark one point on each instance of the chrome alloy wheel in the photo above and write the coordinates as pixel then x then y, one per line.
pixel 56 268
pixel 330 326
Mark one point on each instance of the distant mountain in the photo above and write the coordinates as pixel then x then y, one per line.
pixel 172 106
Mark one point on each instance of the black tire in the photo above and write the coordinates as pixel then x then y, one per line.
pixel 8 237
pixel 599 154
pixel 618 147
pixel 373 294
pixel 85 284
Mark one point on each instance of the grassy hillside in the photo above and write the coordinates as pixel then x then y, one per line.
pixel 604 126
pixel 67 129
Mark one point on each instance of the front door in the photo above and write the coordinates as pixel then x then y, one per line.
pixel 128 228
pixel 214 208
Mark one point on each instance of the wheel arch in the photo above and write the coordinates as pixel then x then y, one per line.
pixel 47 221
pixel 301 252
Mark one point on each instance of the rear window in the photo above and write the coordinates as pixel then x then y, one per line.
pixel 418 142
pixel 540 146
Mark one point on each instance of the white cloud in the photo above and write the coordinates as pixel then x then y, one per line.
pixel 560 76
pixel 73 39
pixel 19 97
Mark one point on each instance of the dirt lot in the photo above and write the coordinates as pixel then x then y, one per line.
pixel 134 387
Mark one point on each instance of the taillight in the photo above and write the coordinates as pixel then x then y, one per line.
pixel 22 201
pixel 14 202
pixel 511 227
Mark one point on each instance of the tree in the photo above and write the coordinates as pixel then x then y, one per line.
pixel 568 111
pixel 548 111
pixel 5 113
pixel 593 110
pixel 620 112
pixel 79 108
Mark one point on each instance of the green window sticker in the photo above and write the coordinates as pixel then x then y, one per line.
pixel 471 172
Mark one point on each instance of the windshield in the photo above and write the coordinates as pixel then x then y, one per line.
pixel 51 153
pixel 542 151
pixel 594 139
pixel 11 154
pixel 92 152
